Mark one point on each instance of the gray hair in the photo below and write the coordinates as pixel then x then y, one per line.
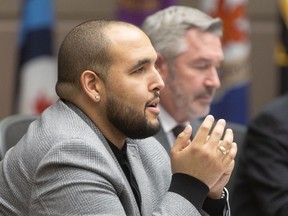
pixel 166 28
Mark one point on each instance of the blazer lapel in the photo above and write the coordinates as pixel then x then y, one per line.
pixel 141 178
pixel 162 138
pixel 195 126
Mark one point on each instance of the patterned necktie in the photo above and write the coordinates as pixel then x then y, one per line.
pixel 178 129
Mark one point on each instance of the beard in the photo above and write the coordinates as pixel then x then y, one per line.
pixel 186 103
pixel 128 120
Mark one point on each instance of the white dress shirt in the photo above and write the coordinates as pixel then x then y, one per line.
pixel 168 123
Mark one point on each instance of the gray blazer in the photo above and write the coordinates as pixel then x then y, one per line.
pixel 64 166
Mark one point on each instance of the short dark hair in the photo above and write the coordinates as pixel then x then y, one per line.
pixel 86 47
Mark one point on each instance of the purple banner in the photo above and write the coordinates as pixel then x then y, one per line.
pixel 135 11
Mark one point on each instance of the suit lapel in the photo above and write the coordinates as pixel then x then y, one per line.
pixel 162 138
pixel 195 126
pixel 141 178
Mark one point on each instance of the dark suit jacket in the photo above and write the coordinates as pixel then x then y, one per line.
pixel 261 186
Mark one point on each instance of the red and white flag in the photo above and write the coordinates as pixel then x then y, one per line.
pixel 37 71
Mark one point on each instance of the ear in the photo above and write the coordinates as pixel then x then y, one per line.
pixel 91 85
pixel 162 66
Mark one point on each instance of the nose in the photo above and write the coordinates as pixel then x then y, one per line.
pixel 212 80
pixel 157 83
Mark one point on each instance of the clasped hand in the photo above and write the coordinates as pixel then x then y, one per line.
pixel 206 157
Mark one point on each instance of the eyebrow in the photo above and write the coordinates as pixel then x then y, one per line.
pixel 140 63
pixel 206 60
pixel 202 60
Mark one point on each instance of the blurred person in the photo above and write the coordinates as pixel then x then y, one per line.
pixel 189 49
pixel 188 44
pixel 92 152
pixel 261 186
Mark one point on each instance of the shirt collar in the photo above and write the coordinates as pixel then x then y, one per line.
pixel 167 121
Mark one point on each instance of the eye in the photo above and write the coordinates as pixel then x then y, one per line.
pixel 202 66
pixel 140 70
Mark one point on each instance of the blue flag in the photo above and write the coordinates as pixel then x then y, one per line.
pixel 37 72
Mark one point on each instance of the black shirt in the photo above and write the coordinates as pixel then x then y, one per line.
pixel 122 158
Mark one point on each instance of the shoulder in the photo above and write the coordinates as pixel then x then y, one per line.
pixel 59 134
pixel 273 114
pixel 276 107
pixel 272 121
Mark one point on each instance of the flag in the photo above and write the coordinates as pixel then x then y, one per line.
pixel 281 51
pixel 135 11
pixel 232 99
pixel 37 73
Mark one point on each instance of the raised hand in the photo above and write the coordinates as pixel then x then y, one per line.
pixel 203 157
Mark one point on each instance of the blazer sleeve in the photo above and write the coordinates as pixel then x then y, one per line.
pixel 266 153
pixel 70 182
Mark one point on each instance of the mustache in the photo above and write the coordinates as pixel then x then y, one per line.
pixel 210 92
pixel 156 96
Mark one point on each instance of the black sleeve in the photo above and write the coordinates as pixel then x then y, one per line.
pixel 215 207
pixel 266 166
pixel 190 188
pixel 267 154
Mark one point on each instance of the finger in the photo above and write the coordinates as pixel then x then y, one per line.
pixel 204 129
pixel 227 140
pixel 224 145
pixel 230 168
pixel 183 139
pixel 230 156
pixel 216 133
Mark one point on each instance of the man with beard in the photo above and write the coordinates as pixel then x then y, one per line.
pixel 189 49
pixel 90 153
pixel 188 44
